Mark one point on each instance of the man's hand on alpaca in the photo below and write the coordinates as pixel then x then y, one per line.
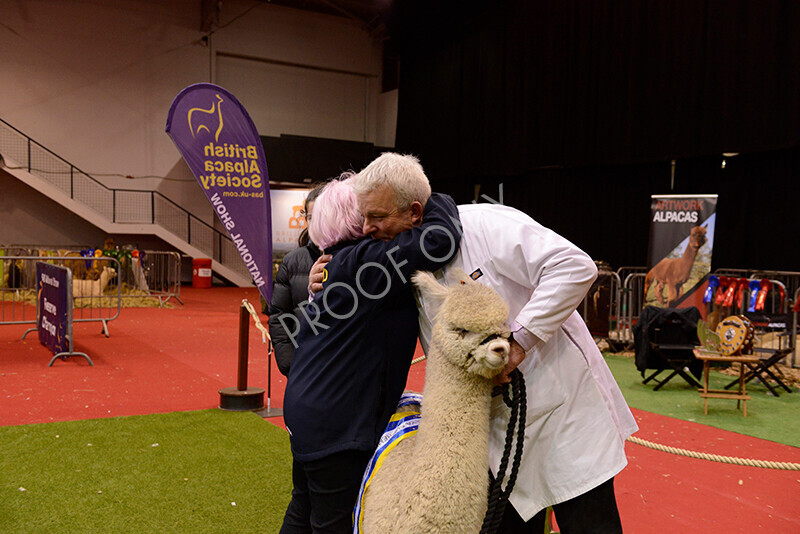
pixel 515 357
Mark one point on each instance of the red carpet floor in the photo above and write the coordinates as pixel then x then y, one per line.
pixel 164 360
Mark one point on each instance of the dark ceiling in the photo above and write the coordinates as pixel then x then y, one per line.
pixel 370 13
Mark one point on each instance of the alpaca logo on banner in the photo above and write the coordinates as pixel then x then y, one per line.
pixel 200 119
pixel 681 242
pixel 227 158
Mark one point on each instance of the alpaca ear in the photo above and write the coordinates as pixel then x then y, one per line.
pixel 430 288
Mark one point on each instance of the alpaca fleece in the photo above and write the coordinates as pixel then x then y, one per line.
pixel 92 288
pixel 436 480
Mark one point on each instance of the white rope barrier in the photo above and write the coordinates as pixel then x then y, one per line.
pixel 264 332
pixel 766 464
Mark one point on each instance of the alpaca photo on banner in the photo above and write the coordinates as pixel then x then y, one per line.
pixel 681 243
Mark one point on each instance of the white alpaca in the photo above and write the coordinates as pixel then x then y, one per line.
pixel 437 479
pixel 92 288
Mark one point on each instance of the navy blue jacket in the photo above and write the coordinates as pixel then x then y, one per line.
pixel 358 338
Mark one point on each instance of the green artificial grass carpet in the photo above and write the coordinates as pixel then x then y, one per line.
pixel 768 417
pixel 205 471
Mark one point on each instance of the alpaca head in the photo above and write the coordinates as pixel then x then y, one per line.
pixel 106 275
pixel 470 325
pixel 697 236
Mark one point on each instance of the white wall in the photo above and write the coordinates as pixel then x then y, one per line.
pixel 30 218
pixel 387 118
pixel 301 100
pixel 93 80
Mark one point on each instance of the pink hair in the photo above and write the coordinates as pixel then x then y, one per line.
pixel 336 214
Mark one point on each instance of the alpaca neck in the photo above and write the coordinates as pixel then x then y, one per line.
pixel 689 254
pixel 455 419
pixel 105 277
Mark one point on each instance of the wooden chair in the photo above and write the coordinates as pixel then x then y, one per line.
pixel 780 326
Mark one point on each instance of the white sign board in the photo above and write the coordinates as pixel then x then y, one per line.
pixel 287 218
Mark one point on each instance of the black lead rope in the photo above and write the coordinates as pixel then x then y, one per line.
pixel 498 497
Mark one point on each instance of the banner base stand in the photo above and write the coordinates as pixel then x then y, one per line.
pixel 65 355
pixel 266 413
pixel 234 399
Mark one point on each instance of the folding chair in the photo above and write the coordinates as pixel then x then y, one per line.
pixel 664 340
pixel 769 356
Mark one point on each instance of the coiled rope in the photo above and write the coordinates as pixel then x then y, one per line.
pixel 516 399
pixel 766 464
pixel 514 395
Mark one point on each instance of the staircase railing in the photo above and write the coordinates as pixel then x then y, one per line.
pixel 118 205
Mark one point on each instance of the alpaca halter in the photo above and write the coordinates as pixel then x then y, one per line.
pixel 486 340
pixel 490 338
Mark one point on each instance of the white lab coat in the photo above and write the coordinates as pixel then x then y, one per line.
pixel 577 419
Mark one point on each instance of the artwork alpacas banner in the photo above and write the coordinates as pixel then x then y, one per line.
pixel 681 242
pixel 221 145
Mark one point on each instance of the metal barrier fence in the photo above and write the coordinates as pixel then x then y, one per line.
pixel 162 272
pixel 632 303
pixel 54 322
pixel 628 302
pixel 781 332
pixel 93 300
pixel 153 274
pixel 790 280
pixel 772 305
pixel 794 327
pixel 623 272
pixel 614 319
pixel 601 306
pixel 626 290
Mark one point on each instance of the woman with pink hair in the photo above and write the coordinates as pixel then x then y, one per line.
pixel 336 217
pixel 354 347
